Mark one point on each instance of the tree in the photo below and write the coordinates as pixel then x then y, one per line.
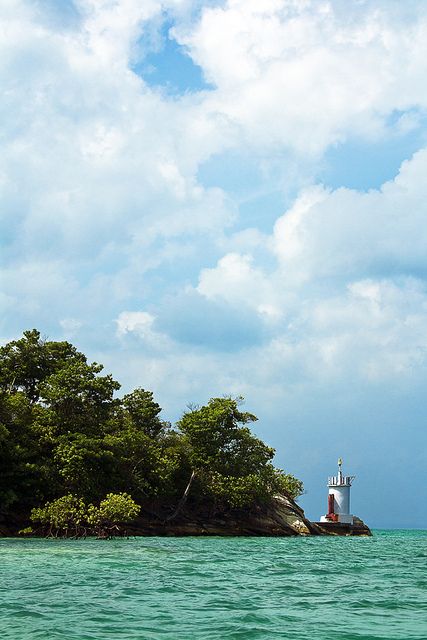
pixel 64 432
pixel 69 515
pixel 79 399
pixel 62 516
pixel 137 460
pixel 116 509
pixel 23 460
pixel 143 413
pixel 231 465
pixel 219 441
pixel 55 410
pixel 85 464
pixel 26 362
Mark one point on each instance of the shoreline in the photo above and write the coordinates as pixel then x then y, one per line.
pixel 282 517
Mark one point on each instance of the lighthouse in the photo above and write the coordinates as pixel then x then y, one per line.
pixel 339 498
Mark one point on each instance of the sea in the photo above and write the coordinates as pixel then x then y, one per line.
pixel 327 588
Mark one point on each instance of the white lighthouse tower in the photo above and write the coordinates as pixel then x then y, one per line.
pixel 339 498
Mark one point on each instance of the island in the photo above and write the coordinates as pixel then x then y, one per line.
pixel 77 460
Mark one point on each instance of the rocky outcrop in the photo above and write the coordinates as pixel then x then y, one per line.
pixel 282 517
pixel 358 528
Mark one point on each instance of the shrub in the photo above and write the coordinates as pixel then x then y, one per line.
pixel 64 515
pixel 69 515
pixel 116 508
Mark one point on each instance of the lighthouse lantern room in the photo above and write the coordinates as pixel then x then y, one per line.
pixel 339 498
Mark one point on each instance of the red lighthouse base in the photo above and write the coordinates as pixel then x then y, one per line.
pixel 331 515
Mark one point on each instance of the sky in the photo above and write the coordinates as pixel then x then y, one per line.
pixel 229 198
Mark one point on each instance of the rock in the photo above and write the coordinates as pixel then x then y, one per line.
pixel 358 528
pixel 281 517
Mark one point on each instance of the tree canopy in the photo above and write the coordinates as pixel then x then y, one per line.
pixel 68 439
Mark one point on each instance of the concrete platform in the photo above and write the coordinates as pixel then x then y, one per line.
pixel 358 528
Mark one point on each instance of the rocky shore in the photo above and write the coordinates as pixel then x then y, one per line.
pixel 282 517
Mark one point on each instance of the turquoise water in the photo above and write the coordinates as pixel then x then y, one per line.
pixel 215 588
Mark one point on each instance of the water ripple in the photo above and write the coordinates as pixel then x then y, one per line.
pixel 215 588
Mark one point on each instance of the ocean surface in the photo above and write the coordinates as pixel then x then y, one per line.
pixel 215 588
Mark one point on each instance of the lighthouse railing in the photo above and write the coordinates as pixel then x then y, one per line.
pixel 337 481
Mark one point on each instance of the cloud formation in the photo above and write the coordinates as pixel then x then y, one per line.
pixel 305 75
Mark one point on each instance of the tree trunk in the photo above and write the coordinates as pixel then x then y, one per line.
pixel 183 500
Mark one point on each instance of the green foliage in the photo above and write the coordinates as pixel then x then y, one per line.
pixel 243 491
pixel 79 398
pixel 26 362
pixel 289 485
pixel 143 413
pixel 69 515
pixel 86 464
pixel 219 441
pixel 234 490
pixel 64 433
pixel 63 514
pixel 116 508
pixel 27 531
pixel 233 466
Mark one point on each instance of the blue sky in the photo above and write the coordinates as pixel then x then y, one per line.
pixel 230 198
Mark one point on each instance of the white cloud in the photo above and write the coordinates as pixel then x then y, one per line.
pixel 346 233
pixel 139 321
pixel 308 74
pixel 99 172
pixel 112 27
pixel 237 282
pixel 141 325
pixel 92 147
pixel 344 292
pixel 95 162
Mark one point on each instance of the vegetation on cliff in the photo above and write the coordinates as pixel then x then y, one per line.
pixel 69 443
